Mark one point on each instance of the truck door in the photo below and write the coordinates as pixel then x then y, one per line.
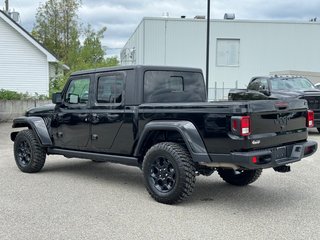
pixel 108 110
pixel 72 128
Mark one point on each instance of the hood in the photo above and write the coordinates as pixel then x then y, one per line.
pixel 44 109
pixel 295 93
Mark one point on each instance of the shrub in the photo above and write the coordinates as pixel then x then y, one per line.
pixel 13 95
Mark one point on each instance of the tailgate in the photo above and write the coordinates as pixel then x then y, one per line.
pixel 314 104
pixel 275 123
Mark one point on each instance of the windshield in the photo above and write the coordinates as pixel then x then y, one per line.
pixel 291 84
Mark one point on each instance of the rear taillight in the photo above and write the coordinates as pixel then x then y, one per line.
pixel 241 125
pixel 310 119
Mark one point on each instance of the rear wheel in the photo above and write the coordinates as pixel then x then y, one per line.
pixel 239 177
pixel 169 172
pixel 30 156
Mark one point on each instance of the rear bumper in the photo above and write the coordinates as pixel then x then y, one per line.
pixel 266 158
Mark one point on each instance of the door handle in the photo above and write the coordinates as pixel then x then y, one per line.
pixel 94 118
pixel 83 116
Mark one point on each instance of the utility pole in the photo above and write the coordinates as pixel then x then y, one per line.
pixel 6 8
pixel 208 47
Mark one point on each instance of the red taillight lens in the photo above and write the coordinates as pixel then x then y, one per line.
pixel 310 119
pixel 240 125
pixel 245 126
pixel 254 160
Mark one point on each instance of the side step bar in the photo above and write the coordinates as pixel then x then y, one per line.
pixel 131 161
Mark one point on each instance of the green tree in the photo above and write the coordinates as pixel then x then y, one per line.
pixel 92 51
pixel 58 28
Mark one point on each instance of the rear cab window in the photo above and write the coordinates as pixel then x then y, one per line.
pixel 173 86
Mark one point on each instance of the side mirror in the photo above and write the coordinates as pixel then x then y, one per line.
pixel 265 92
pixel 57 98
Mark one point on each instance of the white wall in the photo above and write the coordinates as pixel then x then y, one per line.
pixel 265 46
pixel 23 67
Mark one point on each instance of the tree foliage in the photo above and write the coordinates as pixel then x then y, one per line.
pixel 58 28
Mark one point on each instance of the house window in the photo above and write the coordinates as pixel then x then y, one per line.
pixel 228 52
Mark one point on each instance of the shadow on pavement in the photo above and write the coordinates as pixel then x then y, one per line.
pixel 211 190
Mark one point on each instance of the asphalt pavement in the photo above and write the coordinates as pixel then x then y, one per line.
pixel 81 199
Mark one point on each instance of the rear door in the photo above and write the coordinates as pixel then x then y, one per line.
pixel 108 110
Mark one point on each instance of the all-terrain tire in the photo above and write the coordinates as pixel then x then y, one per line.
pixel 30 156
pixel 169 172
pixel 239 177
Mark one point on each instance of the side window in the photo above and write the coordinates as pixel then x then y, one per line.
pixel 173 86
pixel 255 85
pixel 110 89
pixel 78 91
pixel 259 85
pixel 264 84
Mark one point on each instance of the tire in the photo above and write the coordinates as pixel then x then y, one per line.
pixel 30 156
pixel 169 172
pixel 239 177
pixel 318 130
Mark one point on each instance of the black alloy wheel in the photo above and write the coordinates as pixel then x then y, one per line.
pixel 169 172
pixel 162 174
pixel 24 154
pixel 30 156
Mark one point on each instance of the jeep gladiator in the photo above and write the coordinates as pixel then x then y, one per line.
pixel 159 119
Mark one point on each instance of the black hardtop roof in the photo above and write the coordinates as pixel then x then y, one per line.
pixel 138 68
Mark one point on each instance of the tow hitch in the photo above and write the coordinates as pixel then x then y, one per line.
pixel 282 169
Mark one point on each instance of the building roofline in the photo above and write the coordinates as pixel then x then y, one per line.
pixel 28 36
pixel 229 21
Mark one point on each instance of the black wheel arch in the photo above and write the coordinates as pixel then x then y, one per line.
pixel 185 131
pixel 38 126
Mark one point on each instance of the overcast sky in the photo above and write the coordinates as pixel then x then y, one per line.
pixel 121 17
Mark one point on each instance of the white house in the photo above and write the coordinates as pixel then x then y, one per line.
pixel 239 49
pixel 25 65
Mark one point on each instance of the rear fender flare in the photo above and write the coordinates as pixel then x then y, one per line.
pixel 188 132
pixel 37 125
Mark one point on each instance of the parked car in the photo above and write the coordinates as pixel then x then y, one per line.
pixel 317 85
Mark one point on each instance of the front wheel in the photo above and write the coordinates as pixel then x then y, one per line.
pixel 169 172
pixel 239 177
pixel 30 156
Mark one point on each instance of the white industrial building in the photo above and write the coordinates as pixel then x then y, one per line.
pixel 239 49
pixel 25 65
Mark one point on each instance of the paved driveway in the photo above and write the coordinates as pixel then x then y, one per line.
pixel 79 199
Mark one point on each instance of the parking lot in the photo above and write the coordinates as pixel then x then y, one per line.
pixel 80 199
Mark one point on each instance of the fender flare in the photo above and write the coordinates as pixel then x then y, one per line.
pixel 37 125
pixel 188 132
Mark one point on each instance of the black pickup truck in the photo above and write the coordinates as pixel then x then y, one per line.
pixel 159 119
pixel 281 87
